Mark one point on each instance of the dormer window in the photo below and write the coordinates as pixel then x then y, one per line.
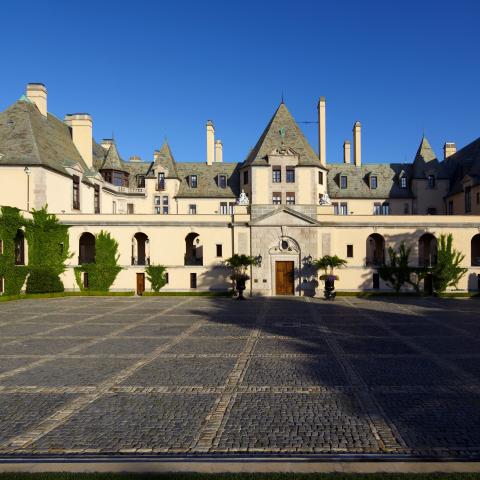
pixel 222 181
pixel 193 181
pixel 403 182
pixel 373 182
pixel 431 181
pixel 140 181
pixel 343 182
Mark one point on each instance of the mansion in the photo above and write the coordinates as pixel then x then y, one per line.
pixel 284 203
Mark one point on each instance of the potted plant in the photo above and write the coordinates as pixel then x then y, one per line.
pixel 328 264
pixel 238 264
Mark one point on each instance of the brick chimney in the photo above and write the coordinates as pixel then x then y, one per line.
pixel 210 143
pixel 37 93
pixel 218 151
pixel 357 143
pixel 322 139
pixel 346 151
pixel 449 149
pixel 81 126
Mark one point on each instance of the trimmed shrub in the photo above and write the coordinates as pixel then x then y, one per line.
pixel 43 280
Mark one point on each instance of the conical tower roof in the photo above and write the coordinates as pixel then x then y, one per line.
pixel 424 158
pixel 165 158
pixel 112 159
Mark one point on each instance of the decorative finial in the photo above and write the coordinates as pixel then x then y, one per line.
pixel 282 98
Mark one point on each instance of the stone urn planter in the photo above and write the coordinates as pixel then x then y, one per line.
pixel 240 286
pixel 329 286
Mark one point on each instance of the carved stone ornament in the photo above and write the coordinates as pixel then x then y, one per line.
pixel 243 199
pixel 325 199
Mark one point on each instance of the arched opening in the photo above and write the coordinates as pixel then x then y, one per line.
pixel 86 248
pixel 375 250
pixel 475 250
pixel 427 250
pixel 193 249
pixel 19 242
pixel 140 249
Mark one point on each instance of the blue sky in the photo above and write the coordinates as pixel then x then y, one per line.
pixel 145 70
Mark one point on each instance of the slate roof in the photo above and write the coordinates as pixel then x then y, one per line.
pixel 358 180
pixel 271 139
pixel 166 160
pixel 426 162
pixel 29 138
pixel 465 161
pixel 207 180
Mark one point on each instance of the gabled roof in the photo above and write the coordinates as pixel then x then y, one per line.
pixel 29 138
pixel 282 132
pixel 207 180
pixel 166 160
pixel 388 183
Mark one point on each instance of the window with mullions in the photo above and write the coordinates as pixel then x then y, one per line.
pixel 276 175
pixel 223 208
pixel 193 181
pixel 290 198
pixel 403 182
pixel 373 182
pixel 344 208
pixel 96 198
pixel 343 182
pixel 290 175
pixel 468 199
pixel 431 181
pixel 192 209
pixel 165 205
pixel 277 198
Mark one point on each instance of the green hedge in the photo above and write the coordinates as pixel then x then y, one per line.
pixel 43 280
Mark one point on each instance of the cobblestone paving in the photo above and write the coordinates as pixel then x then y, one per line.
pixel 212 375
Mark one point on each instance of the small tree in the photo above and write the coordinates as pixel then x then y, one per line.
pixel 328 264
pixel 447 272
pixel 157 276
pixel 397 272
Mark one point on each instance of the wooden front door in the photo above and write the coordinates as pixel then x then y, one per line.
pixel 284 279
pixel 140 283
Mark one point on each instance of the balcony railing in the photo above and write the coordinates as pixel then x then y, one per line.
pixel 140 260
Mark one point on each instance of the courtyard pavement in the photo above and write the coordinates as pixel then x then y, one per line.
pixel 193 375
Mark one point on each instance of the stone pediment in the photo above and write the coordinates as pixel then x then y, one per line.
pixel 284 216
pixel 283 151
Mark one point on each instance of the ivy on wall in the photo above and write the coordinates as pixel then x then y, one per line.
pixel 102 273
pixel 157 276
pixel 48 250
pixel 14 275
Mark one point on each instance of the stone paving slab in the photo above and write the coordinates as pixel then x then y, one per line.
pixel 213 375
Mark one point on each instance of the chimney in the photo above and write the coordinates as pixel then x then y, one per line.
pixel 37 93
pixel 322 151
pixel 218 151
pixel 81 127
pixel 357 143
pixel 346 151
pixel 449 149
pixel 210 142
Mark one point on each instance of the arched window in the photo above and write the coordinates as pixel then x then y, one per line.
pixel 19 247
pixel 140 249
pixel 86 248
pixel 193 249
pixel 375 250
pixel 475 250
pixel 427 250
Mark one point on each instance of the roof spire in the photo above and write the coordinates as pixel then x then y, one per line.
pixel 283 101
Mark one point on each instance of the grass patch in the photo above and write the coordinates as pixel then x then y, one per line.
pixel 187 294
pixel 239 476
pixel 23 296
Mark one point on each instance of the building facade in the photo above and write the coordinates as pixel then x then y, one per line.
pixel 284 203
